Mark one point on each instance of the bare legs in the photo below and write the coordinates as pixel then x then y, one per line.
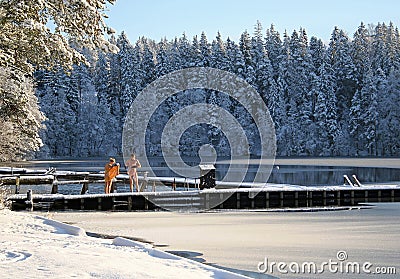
pixel 107 187
pixel 134 179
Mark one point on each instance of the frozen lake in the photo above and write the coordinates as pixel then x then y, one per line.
pixel 240 240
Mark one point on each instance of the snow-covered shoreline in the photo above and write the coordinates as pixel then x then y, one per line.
pixel 37 247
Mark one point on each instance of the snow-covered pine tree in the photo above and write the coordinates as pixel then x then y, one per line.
pixel 263 70
pixel 196 57
pixel 360 51
pixel 21 118
pixel 285 144
pixel 245 48
pixel 163 65
pixel 102 78
pixel 370 115
pixel 127 68
pixel 389 113
pixel 205 50
pixel 148 62
pixel 325 112
pixel 355 122
pixel 380 81
pixel 58 136
pixel 379 51
pixel 273 47
pixel 299 94
pixel 27 43
pixel 174 56
pixel 218 58
pixel 184 49
pixel 235 58
pixel 339 51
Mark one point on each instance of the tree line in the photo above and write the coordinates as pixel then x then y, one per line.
pixel 335 99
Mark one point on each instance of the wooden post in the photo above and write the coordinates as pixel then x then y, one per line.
pixel 17 184
pixel 85 184
pixel 29 200
pixel 207 200
pixel 221 200
pixel 113 203
pixel 54 188
pixel 85 188
pixel 129 203
pixel 144 182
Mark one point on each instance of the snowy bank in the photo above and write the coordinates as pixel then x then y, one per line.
pixel 37 247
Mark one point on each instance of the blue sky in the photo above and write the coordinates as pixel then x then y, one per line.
pixel 156 19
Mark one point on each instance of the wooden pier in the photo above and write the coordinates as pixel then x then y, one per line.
pixel 186 194
pixel 227 199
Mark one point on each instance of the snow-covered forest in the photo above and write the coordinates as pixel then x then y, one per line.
pixel 338 98
pixel 40 35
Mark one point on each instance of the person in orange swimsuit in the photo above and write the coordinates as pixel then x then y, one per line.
pixel 111 170
pixel 132 165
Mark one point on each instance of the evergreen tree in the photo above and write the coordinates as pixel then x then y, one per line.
pixel 218 56
pixel 58 136
pixel 184 49
pixel 42 47
pixel 21 118
pixel 197 59
pixel 360 48
pixel 389 113
pixel 273 46
pixel 339 52
pixel 205 50
pixel 263 70
pixel 326 113
pixel 245 48
pixel 235 57
pixel 127 66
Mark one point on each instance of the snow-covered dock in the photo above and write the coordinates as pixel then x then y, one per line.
pixel 271 196
pixel 184 193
